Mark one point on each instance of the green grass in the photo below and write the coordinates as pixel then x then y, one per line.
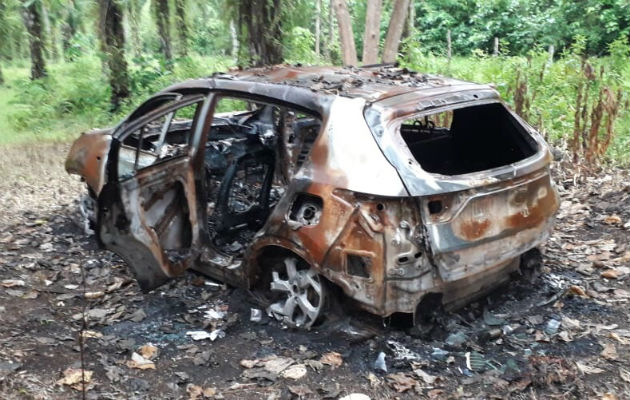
pixel 75 96
pixel 551 89
pixel 15 107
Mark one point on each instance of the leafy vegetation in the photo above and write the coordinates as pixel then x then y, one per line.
pixel 584 80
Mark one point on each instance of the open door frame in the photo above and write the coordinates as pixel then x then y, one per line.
pixel 152 219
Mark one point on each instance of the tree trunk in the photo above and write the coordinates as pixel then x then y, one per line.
pixel 495 49
pixel 113 45
pixel 372 33
pixel 410 21
pixel 182 26
pixel 318 25
pixel 162 18
pixel 348 51
pixel 234 37
pixel 69 28
pixel 448 48
pixel 550 52
pixel 48 44
pixel 33 22
pixel 1 76
pixel 260 27
pixel 394 31
pixel 54 41
pixel 331 31
pixel 133 9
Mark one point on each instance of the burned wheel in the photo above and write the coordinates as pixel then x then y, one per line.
pixel 300 291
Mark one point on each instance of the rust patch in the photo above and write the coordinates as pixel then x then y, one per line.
pixel 536 213
pixel 473 230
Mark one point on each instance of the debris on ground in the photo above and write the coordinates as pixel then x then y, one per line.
pixel 566 335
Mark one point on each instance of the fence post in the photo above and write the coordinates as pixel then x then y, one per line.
pixel 495 52
pixel 448 48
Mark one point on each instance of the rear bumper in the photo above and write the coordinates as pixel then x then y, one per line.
pixel 491 226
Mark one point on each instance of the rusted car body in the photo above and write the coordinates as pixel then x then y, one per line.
pixel 327 176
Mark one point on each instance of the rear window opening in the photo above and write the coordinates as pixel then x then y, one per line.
pixel 467 139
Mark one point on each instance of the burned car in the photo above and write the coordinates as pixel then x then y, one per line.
pixel 392 187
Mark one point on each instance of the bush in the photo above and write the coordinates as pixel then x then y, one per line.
pixel 545 93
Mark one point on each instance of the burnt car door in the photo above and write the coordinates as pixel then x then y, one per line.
pixel 148 212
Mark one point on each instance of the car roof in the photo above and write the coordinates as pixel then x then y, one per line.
pixel 372 83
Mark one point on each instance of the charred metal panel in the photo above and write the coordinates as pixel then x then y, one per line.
pixel 354 204
pixel 88 157
pixel 487 227
pixel 149 221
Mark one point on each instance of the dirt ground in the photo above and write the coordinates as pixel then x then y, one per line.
pixel 564 335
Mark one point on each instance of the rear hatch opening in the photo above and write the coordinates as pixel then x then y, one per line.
pixel 468 139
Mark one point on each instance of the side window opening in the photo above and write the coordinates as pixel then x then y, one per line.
pixel 164 137
pixel 468 139
pixel 253 151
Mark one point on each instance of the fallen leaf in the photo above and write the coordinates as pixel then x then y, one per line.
pixel 277 364
pixel 295 372
pixel 317 366
pixel 611 273
pixel 565 337
pixel 428 379
pixel 624 375
pixel 609 396
pixel 300 391
pixel 118 282
pixel 520 385
pixel 436 394
pixel 194 391
pixel 249 363
pixel 401 382
pixel 570 323
pixel 618 338
pixel 373 379
pixel 577 290
pixel 333 359
pixel 94 295
pixel 612 220
pixel 74 377
pixel 609 352
pixel 87 334
pixel 139 362
pixel 588 370
pixel 148 351
pixel 12 283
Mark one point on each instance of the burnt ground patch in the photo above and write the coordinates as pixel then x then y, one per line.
pixel 566 335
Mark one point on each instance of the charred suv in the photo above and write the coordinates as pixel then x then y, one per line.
pixel 391 185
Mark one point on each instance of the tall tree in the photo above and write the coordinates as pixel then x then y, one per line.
pixel 318 25
pixel 3 35
pixel 182 26
pixel 133 16
pixel 69 28
pixel 372 32
pixel 113 45
pixel 162 19
pixel 260 23
pixel 348 50
pixel 31 16
pixel 394 31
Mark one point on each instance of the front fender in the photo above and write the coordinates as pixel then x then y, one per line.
pixel 88 157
